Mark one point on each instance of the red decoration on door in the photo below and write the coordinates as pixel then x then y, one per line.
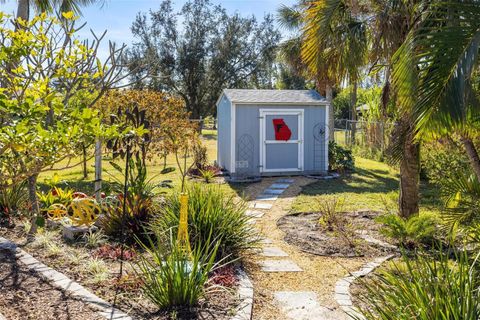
pixel 282 131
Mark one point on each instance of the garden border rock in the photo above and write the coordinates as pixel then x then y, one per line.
pixel 245 293
pixel 342 287
pixel 61 281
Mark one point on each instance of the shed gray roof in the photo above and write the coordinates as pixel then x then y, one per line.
pixel 274 96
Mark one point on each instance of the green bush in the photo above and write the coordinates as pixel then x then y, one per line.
pixel 441 160
pixel 210 211
pixel 422 288
pixel 364 151
pixel 55 195
pixel 140 205
pixel 170 279
pixel 410 233
pixel 339 158
pixel 12 200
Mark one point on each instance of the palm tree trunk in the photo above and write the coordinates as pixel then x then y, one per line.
pixel 472 155
pixel 331 117
pixel 23 9
pixel 409 177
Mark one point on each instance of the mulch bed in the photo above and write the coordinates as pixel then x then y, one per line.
pixel 217 305
pixel 25 295
pixel 304 231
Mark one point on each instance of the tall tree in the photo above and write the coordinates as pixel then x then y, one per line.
pixel 391 22
pixel 204 51
pixel 335 43
pixel 53 69
pixel 337 30
pixel 442 89
pixel 290 52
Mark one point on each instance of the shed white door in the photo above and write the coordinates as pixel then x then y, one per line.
pixel 281 140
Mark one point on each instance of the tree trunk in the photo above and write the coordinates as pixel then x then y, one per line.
pixel 85 169
pixel 409 177
pixel 353 116
pixel 23 9
pixel 472 155
pixel 32 197
pixel 98 169
pixel 331 117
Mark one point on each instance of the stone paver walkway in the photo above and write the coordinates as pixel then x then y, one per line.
pixel 271 194
pixel 299 298
pixel 298 305
pixel 302 305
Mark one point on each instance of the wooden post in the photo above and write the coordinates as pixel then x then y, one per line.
pixel 98 169
pixel 331 117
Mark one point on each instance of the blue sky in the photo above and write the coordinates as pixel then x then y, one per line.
pixel 116 16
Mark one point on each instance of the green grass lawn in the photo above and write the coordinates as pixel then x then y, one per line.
pixel 366 188
pixel 73 177
pixel 371 186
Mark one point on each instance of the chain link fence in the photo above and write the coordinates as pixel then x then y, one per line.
pixel 207 123
pixel 369 135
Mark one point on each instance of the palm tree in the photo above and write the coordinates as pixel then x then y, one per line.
pixel 391 22
pixel 442 89
pixel 335 43
pixel 293 19
pixel 24 6
pixel 338 30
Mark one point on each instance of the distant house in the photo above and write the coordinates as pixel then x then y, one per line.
pixel 361 110
pixel 272 132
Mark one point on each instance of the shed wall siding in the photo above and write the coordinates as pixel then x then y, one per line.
pixel 224 117
pixel 248 125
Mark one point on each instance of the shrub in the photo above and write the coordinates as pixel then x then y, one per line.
pixel 330 208
pixel 140 205
pixel 210 210
pixel 12 200
pixel 334 219
pixel 94 239
pixel 339 158
pixel 139 211
pixel 440 160
pixel 424 289
pixel 413 232
pixel 208 175
pixel 96 269
pixel 55 195
pixel 172 280
pixel 200 156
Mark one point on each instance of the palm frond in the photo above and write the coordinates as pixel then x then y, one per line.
pixel 290 18
pixel 335 40
pixel 435 64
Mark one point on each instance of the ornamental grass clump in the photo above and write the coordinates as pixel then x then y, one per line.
pixel 425 288
pixel 173 278
pixel 210 211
